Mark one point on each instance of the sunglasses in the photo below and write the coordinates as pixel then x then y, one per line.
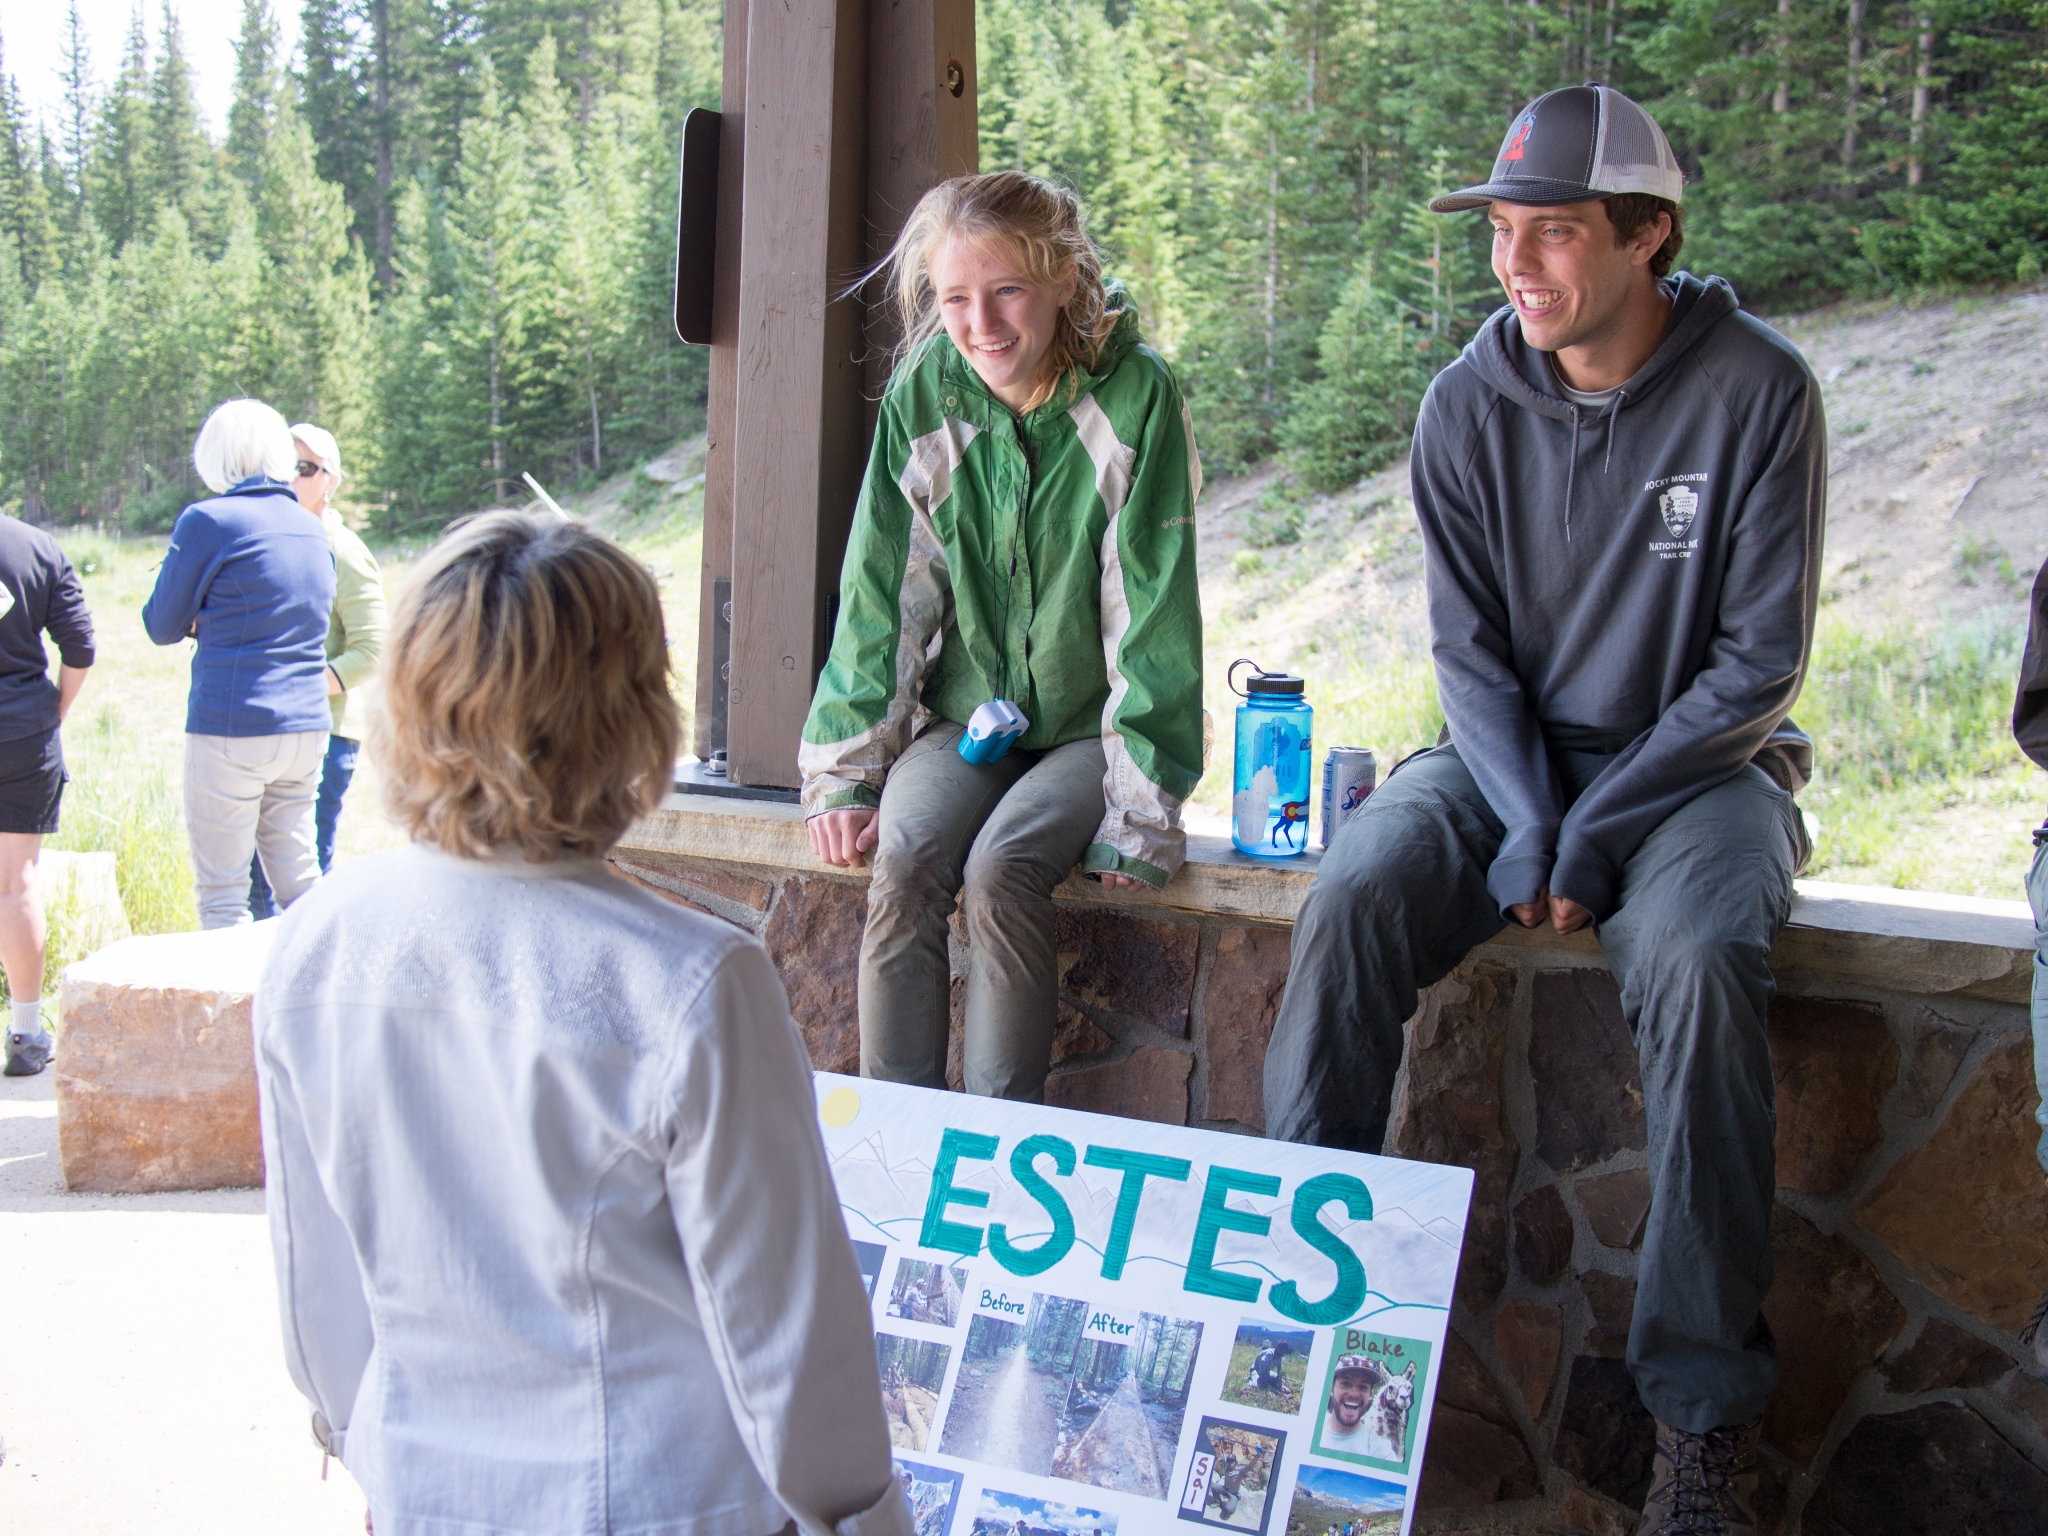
pixel 307 469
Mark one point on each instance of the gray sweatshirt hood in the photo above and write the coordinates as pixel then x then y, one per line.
pixel 1523 376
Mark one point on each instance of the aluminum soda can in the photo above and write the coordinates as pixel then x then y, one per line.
pixel 1349 775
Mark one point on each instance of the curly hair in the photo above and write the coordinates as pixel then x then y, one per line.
pixel 1042 222
pixel 526 692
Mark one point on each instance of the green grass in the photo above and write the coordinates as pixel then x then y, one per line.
pixel 124 742
pixel 119 803
pixel 1917 781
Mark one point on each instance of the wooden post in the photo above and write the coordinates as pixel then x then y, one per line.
pixel 826 182
pixel 921 130
pixel 722 390
pixel 798 437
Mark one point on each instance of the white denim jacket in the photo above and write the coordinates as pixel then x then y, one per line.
pixel 557 1249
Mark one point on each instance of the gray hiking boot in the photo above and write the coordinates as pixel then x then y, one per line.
pixel 29 1054
pixel 2035 1335
pixel 1705 1485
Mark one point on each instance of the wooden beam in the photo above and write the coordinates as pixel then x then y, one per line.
pixel 921 130
pixel 799 436
pixel 839 114
pixel 722 393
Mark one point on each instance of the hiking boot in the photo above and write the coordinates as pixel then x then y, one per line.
pixel 1705 1485
pixel 2035 1335
pixel 29 1054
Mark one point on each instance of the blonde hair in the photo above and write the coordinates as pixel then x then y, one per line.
pixel 526 699
pixel 1038 219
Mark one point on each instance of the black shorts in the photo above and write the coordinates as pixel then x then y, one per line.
pixel 32 780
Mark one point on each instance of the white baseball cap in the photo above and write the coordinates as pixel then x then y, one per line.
pixel 321 441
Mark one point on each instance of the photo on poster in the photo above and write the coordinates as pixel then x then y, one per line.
pixel 1268 1366
pixel 932 1492
pixel 913 1371
pixel 927 1293
pixel 1004 1514
pixel 870 1256
pixel 1075 1391
pixel 1368 1412
pixel 1332 1503
pixel 1231 1475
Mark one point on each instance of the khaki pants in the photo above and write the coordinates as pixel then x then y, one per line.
pixel 1008 832
pixel 251 795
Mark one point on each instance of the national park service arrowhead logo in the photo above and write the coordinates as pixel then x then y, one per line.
pixel 1680 505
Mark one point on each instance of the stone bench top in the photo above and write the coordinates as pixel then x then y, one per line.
pixel 1916 941
pixel 225 961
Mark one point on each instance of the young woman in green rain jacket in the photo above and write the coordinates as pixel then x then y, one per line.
pixel 1025 533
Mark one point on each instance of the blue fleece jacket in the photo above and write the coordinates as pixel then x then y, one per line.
pixel 252 575
pixel 1639 580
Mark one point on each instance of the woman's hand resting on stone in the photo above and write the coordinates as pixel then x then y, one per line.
pixel 843 837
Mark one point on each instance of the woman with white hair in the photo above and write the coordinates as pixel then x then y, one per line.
pixel 250 576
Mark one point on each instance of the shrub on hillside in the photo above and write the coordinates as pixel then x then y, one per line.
pixel 1356 417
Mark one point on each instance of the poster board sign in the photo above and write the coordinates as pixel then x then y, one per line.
pixel 1100 1327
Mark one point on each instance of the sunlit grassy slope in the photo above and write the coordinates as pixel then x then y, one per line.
pixel 124 742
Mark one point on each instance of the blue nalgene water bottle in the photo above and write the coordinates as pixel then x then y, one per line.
pixel 1269 790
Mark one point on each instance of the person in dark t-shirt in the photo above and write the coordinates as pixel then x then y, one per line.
pixel 39 594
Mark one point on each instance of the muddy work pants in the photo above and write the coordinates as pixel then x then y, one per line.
pixel 1401 897
pixel 1008 832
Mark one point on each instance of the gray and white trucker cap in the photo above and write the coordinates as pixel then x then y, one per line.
pixel 1572 146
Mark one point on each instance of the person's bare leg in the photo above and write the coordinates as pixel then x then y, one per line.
pixel 23 935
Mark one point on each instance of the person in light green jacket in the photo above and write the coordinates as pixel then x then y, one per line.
pixel 1025 533
pixel 355 640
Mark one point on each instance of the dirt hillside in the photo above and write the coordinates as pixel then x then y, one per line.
pixel 1938 461
pixel 1937 490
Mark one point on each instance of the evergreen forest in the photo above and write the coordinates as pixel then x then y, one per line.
pixel 444 228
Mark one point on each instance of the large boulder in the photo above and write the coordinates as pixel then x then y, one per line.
pixel 156 1069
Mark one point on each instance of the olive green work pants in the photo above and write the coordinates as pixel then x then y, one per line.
pixel 1007 832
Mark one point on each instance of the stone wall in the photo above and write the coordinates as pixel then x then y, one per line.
pixel 1911 1226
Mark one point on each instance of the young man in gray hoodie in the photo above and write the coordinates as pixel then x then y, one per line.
pixel 1621 489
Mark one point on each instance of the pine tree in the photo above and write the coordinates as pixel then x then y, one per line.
pixel 258 89
pixel 414 364
pixel 315 280
pixel 120 180
pixel 24 202
pixel 486 309
pixel 578 212
pixel 184 158
pixel 245 357
pixel 159 336
pixel 1356 417
pixel 336 100
pixel 76 74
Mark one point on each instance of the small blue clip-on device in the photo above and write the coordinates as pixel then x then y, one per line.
pixel 991 731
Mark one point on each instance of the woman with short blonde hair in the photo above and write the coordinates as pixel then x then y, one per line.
pixel 546 1187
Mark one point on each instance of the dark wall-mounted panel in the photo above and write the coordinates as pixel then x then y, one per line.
pixel 697 227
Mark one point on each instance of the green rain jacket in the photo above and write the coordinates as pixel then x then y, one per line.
pixel 1047 560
